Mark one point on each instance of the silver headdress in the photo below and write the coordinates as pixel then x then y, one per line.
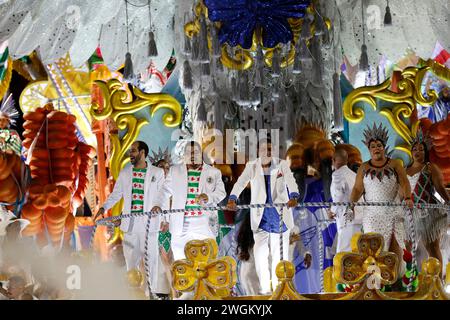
pixel 8 110
pixel 375 133
pixel 421 137
pixel 160 155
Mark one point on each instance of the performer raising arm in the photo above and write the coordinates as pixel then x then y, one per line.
pixel 142 187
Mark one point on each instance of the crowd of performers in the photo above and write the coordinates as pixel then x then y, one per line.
pixel 262 239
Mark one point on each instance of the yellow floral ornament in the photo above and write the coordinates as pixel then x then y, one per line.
pixel 202 272
pixel 366 267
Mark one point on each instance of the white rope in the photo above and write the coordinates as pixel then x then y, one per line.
pixel 164 213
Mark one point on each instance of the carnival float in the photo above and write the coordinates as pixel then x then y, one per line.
pixel 82 81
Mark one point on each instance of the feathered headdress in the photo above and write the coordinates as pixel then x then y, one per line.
pixel 160 155
pixel 375 133
pixel 8 110
pixel 421 137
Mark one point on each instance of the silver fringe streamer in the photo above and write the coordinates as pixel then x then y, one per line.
pixel 187 76
pixel 152 49
pixel 337 103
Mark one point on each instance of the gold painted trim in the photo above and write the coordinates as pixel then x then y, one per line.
pixel 405 100
pixel 120 105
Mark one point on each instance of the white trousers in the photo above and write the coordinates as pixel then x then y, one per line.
pixel 134 252
pixel 194 228
pixel 344 237
pixel 248 278
pixel 267 255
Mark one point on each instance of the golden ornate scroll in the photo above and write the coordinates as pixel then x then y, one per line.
pixel 404 102
pixel 120 105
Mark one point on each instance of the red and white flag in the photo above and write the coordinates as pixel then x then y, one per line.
pixel 441 55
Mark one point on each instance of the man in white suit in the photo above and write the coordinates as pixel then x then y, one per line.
pixel 271 181
pixel 141 186
pixel 343 180
pixel 192 185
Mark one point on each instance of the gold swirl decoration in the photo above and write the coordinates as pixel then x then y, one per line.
pixel 120 105
pixel 438 69
pixel 243 59
pixel 210 277
pixel 405 100
pixel 4 85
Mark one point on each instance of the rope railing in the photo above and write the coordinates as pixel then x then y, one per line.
pixel 109 221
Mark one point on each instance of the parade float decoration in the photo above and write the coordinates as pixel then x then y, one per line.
pixel 394 102
pixel 59 164
pixel 367 269
pixel 252 70
pixel 202 272
pixel 13 174
pixel 120 105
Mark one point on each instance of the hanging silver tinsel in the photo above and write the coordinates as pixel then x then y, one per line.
pixel 304 53
pixel 364 59
pixel 297 67
pixel 259 67
pixel 305 32
pixel 387 15
pixel 128 74
pixel 201 111
pixel 187 46
pixel 276 64
pixel 203 51
pixel 319 24
pixel 187 76
pixel 337 103
pixel 206 70
pixel 216 49
pixel 234 88
pixel 276 87
pixel 218 120
pixel 244 90
pixel 152 49
pixel 317 71
pixel 195 49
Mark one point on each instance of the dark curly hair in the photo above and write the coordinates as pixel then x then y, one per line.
pixel 245 241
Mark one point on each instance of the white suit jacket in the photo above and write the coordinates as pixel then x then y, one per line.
pixel 282 185
pixel 343 180
pixel 153 195
pixel 176 184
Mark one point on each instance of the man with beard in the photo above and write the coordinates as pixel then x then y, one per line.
pixel 141 186
pixel 192 185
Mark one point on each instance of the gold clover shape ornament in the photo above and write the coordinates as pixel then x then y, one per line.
pixel 210 277
pixel 366 267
